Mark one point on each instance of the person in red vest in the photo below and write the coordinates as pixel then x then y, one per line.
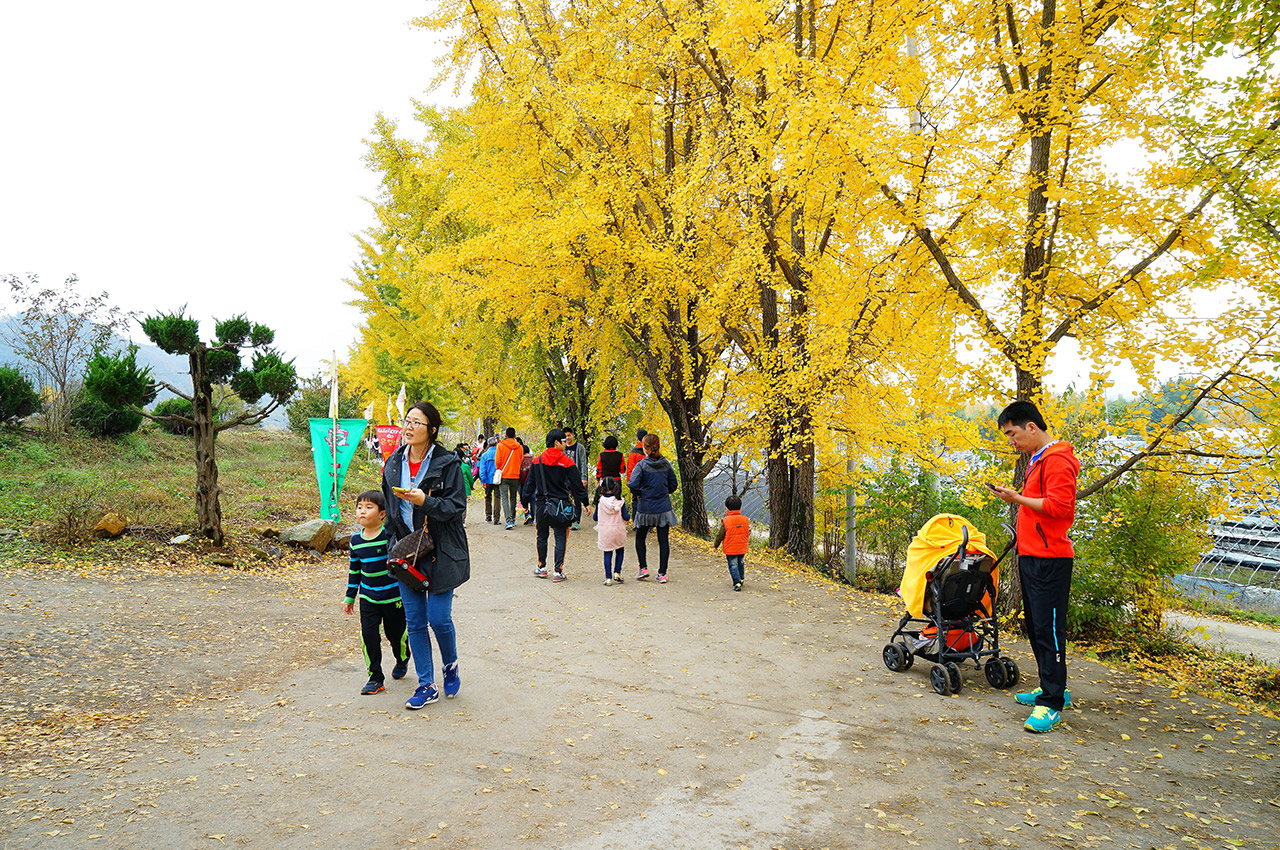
pixel 735 534
pixel 633 457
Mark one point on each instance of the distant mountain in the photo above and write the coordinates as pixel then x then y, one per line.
pixel 169 368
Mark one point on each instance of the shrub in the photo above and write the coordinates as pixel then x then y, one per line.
pixel 175 407
pixel 312 402
pixel 99 419
pixel 17 397
pixel 1133 537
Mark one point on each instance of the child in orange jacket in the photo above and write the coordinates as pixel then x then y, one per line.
pixel 735 534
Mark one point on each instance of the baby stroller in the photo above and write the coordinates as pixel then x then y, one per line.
pixel 949 587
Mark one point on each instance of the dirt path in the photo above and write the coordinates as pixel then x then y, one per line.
pixel 222 710
pixel 1262 643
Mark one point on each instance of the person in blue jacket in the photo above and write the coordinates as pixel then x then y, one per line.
pixel 492 492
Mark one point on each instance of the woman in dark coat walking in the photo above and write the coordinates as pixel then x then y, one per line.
pixel 422 484
pixel 652 481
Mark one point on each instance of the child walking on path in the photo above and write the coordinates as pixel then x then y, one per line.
pixel 378 592
pixel 611 528
pixel 735 534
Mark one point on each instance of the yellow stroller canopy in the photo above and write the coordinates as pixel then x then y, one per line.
pixel 937 539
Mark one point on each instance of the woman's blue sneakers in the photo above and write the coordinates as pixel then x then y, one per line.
pixel 423 695
pixel 452 681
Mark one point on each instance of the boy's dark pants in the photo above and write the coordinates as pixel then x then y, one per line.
pixel 561 535
pixel 1046 586
pixel 390 617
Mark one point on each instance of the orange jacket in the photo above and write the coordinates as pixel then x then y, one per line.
pixel 735 533
pixel 1052 477
pixel 509 457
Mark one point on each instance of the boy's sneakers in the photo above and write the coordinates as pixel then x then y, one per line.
pixel 373 686
pixel 559 576
pixel 528 520
pixel 398 671
pixel 617 577
pixel 1029 697
pixel 642 574
pixel 1042 719
pixel 452 681
pixel 510 525
pixel 608 582
pixel 737 585
pixel 540 572
pixel 422 696
pixel 574 526
pixel 662 578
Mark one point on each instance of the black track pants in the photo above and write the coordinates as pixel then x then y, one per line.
pixel 1046 585
pixel 376 616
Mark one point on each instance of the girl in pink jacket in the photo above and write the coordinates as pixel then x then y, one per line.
pixel 611 530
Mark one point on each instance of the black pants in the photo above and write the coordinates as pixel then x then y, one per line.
pixel 492 503
pixel 664 546
pixel 389 617
pixel 562 540
pixel 1046 586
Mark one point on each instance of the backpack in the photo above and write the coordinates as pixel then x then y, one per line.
pixel 556 511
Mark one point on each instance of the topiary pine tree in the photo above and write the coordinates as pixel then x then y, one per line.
pixel 212 364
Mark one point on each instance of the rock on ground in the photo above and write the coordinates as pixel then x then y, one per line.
pixel 315 533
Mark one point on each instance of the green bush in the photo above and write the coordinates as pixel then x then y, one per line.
pixel 312 402
pixel 1132 538
pixel 898 500
pixel 98 419
pixel 17 397
pixel 175 407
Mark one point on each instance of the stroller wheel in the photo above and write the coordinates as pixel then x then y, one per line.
pixel 1011 676
pixel 953 670
pixel 996 675
pixel 908 658
pixel 940 679
pixel 893 657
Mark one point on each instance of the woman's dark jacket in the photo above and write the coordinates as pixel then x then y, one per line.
pixel 652 482
pixel 443 511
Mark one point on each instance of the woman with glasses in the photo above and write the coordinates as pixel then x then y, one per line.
pixel 422 484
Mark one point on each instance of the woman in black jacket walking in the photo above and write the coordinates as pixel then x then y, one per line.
pixel 422 484
pixel 652 482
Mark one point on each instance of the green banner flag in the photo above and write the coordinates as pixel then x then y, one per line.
pixel 333 449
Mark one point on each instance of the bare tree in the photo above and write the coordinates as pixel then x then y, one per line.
pixel 55 331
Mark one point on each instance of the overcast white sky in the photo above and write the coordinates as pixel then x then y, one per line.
pixel 210 155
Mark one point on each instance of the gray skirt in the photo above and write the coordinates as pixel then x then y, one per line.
pixel 662 520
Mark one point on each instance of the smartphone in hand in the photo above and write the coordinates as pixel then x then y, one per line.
pixel 993 488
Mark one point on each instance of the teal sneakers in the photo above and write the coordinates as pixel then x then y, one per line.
pixel 1042 719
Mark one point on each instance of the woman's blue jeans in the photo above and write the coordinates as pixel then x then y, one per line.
pixel 436 610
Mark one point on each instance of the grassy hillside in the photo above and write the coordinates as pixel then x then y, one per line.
pixel 149 478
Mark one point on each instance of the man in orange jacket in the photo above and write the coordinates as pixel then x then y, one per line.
pixel 508 459
pixel 1046 509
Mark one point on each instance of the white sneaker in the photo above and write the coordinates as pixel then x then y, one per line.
pixel 608 582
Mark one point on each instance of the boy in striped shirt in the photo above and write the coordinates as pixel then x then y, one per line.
pixel 378 591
